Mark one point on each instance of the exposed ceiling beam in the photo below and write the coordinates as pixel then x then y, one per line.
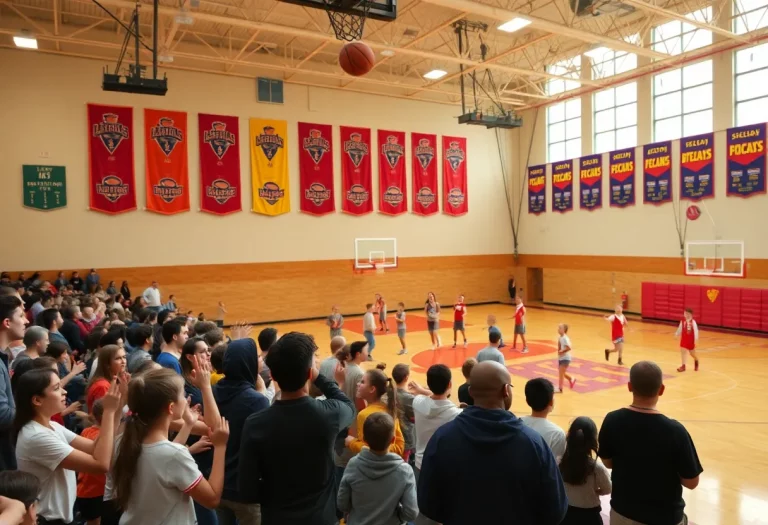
pixel 666 13
pixel 504 15
pixel 297 32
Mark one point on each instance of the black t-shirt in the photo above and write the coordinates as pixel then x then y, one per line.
pixel 464 396
pixel 650 453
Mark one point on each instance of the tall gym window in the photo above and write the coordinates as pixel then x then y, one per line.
pixel 749 15
pixel 564 119
pixel 682 98
pixel 751 89
pixel 615 121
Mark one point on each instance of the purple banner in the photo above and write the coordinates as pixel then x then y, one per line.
pixel 537 189
pixel 591 182
pixel 621 169
pixel 746 161
pixel 697 167
pixel 657 173
pixel 562 186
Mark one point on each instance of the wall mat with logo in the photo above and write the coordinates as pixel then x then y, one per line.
pixel 316 168
pixel 393 199
pixel 356 181
pixel 424 173
pixel 219 145
pixel 269 166
pixel 455 198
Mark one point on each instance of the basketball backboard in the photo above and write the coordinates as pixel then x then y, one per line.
pixel 714 258
pixel 384 10
pixel 375 253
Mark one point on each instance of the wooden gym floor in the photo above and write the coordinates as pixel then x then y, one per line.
pixel 723 406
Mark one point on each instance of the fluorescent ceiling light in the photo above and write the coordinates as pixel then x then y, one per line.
pixel 388 53
pixel 183 18
pixel 513 25
pixel 25 41
pixel 435 74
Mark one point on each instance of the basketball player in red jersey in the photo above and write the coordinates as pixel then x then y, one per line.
pixel 618 322
pixel 688 331
pixel 459 311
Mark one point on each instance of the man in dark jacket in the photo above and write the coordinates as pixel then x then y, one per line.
pixel 237 397
pixel 70 330
pixel 286 460
pixel 487 467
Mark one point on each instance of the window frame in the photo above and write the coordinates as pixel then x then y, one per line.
pixel 616 128
pixel 570 67
pixel 737 74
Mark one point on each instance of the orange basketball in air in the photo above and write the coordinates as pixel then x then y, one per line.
pixel 356 59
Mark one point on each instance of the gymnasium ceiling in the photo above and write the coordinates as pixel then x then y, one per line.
pixel 249 38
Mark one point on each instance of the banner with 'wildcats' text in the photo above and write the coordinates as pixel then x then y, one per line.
pixel 110 159
pixel 621 169
pixel 562 186
pixel 591 182
pixel 657 173
pixel 537 189
pixel 393 199
pixel 269 166
pixel 167 175
pixel 316 168
pixel 356 183
pixel 424 173
pixel 455 198
pixel 219 144
pixel 697 167
pixel 746 161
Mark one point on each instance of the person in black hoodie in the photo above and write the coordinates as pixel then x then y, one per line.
pixel 487 467
pixel 238 397
pixel 70 330
pixel 286 457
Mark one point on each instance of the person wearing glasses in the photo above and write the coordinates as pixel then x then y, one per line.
pixel 486 463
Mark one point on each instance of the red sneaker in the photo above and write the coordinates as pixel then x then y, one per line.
pixel 696 366
pixel 573 382
pixel 681 369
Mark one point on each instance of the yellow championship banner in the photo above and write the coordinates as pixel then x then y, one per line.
pixel 269 166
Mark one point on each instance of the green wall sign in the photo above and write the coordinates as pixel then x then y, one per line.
pixel 45 187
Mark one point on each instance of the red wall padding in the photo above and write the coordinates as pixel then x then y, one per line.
pixel 711 310
pixel 647 301
pixel 731 307
pixel 764 322
pixel 751 308
pixel 661 301
pixel 728 307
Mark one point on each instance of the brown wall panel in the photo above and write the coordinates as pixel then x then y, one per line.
pixel 258 292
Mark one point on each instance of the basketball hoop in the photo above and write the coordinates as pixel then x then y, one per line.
pixel 347 18
pixel 378 268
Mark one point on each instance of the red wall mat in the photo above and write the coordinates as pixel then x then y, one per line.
pixel 731 307
pixel 711 306
pixel 661 301
pixel 764 321
pixel 647 301
pixel 676 301
pixel 751 308
pixel 693 297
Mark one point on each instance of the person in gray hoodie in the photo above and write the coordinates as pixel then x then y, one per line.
pixel 378 487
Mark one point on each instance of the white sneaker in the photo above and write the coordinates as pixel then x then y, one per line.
pixel 403 351
pixel 465 344
pixel 524 350
pixel 439 342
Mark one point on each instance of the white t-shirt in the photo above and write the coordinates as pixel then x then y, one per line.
pixel 152 296
pixel 165 474
pixel 552 434
pixel 39 451
pixel 564 342
pixel 369 323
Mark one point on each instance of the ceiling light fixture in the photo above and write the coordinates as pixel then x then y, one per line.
pixel 435 74
pixel 25 40
pixel 513 25
pixel 183 18
pixel 387 53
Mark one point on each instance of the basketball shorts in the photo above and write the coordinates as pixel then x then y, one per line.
pixel 563 362
pixel 383 315
pixel 433 325
pixel 689 349
pixel 90 508
pixel 520 329
pixel 458 325
pixel 401 333
pixel 619 340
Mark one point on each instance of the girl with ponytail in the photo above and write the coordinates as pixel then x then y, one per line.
pixel 53 453
pixel 584 476
pixel 156 481
pixel 373 389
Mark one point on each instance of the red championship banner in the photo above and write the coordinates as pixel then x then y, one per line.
pixel 356 184
pixel 316 168
pixel 392 185
pixel 455 176
pixel 110 159
pixel 165 142
pixel 219 142
pixel 424 173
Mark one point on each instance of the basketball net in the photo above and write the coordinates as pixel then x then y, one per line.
pixel 347 26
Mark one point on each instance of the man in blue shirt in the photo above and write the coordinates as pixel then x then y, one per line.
pixel 175 334
pixel 487 467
